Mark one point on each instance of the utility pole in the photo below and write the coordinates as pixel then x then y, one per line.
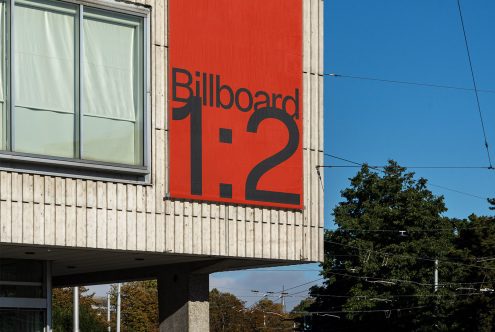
pixel 436 276
pixel 108 312
pixel 282 296
pixel 75 314
pixel 118 306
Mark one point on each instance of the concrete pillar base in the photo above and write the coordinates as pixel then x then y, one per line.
pixel 183 302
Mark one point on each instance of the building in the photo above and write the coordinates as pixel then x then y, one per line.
pixel 109 174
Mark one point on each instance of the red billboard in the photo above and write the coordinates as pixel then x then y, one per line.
pixel 235 101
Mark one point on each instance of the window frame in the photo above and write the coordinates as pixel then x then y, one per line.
pixel 78 167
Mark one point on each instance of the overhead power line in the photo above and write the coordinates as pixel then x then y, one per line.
pixel 395 280
pixel 475 90
pixel 390 297
pixel 429 85
pixel 405 231
pixel 304 284
pixel 428 259
pixel 411 167
pixel 382 170
pixel 358 311
pixel 474 83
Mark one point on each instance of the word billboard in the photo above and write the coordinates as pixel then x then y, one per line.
pixel 235 101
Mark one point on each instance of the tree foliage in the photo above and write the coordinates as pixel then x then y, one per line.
pixel 379 261
pixel 139 306
pixel 265 315
pixel 90 319
pixel 476 244
pixel 228 313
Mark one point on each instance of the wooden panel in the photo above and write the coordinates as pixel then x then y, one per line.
pixel 215 229
pixel 291 246
pixel 274 236
pixel 111 211
pixel 241 231
pixel 179 227
pixel 258 233
pixel 27 209
pixel 141 231
pixel 314 34
pixel 140 218
pixel 101 215
pixel 169 226
pixel 60 211
pixel 250 240
pixel 121 216
pixel 160 171
pixel 49 210
pixel 205 229
pixel 187 234
pixel 159 92
pixel 306 36
pixel 282 236
pixel 5 207
pixel 150 231
pixel 70 212
pixel 197 240
pixel 131 217
pixel 159 232
pixel 231 231
pixel 266 233
pixel 159 22
pixel 223 219
pixel 81 217
pixel 298 242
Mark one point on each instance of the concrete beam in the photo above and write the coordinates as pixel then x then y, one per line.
pixel 183 302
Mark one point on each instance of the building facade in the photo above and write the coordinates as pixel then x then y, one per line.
pixel 85 194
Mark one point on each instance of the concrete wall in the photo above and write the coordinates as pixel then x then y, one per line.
pixel 64 211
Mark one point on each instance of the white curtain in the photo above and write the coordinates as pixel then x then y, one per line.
pixel 3 131
pixel 110 67
pixel 2 50
pixel 44 47
pixel 112 89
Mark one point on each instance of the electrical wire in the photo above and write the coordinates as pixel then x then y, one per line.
pixel 381 170
pixel 411 167
pixel 429 85
pixel 474 83
pixel 359 311
pixel 387 296
pixel 405 231
pixel 304 284
pixel 428 259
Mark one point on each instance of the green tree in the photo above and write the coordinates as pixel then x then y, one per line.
pixel 90 319
pixel 265 315
pixel 379 261
pixel 303 306
pixel 299 315
pixel 475 309
pixel 227 312
pixel 139 306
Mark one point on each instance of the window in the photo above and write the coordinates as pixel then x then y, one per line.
pixel 24 290
pixel 72 85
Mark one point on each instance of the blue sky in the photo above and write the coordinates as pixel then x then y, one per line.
pixel 366 121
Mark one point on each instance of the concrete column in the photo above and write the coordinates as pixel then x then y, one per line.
pixel 183 302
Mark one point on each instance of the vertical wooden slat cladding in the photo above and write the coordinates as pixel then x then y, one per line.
pixel 111 216
pixel 81 212
pixel 100 214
